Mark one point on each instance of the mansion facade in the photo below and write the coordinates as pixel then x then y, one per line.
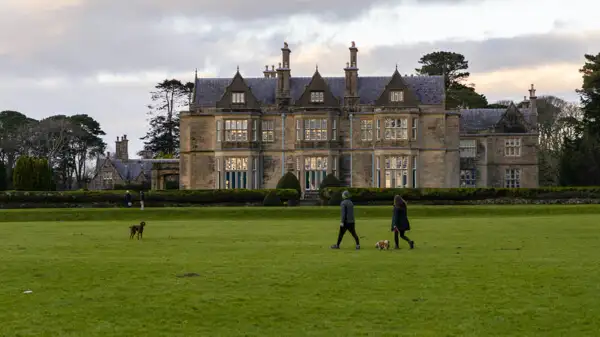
pixel 388 132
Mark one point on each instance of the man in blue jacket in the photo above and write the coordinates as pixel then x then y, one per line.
pixel 347 222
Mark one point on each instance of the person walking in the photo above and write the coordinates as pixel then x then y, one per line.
pixel 347 222
pixel 142 198
pixel 400 223
pixel 127 199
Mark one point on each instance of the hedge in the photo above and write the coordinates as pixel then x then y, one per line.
pixel 26 199
pixel 366 215
pixel 374 195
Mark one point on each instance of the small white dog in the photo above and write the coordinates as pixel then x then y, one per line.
pixel 383 244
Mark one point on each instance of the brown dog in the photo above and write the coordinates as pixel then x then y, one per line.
pixel 139 229
pixel 383 244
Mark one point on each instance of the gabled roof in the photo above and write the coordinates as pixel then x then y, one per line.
pixel 427 89
pixel 475 120
pixel 318 83
pixel 127 170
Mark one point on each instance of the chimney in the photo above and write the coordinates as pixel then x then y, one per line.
pixel 533 117
pixel 266 72
pixel 283 75
pixel 351 70
pixel 107 154
pixel 122 148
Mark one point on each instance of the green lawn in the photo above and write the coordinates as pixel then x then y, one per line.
pixel 495 276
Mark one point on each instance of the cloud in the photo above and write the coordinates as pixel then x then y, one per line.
pixel 102 57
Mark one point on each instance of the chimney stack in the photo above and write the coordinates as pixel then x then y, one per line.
pixel 351 70
pixel 283 76
pixel 122 148
pixel 533 112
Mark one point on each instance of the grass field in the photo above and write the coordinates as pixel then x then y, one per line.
pixel 528 275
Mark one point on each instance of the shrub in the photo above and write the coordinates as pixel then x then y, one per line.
pixel 289 182
pixel 32 174
pixel 272 199
pixel 336 198
pixel 153 198
pixel 3 177
pixel 370 195
pixel 330 181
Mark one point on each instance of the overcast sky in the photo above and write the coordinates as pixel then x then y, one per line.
pixel 102 57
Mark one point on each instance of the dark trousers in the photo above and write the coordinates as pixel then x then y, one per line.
pixel 350 228
pixel 401 234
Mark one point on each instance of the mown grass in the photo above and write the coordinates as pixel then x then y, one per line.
pixel 283 213
pixel 469 276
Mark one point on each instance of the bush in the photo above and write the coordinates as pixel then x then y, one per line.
pixel 289 182
pixel 111 198
pixel 3 177
pixel 374 195
pixel 336 199
pixel 330 181
pixel 32 174
pixel 272 199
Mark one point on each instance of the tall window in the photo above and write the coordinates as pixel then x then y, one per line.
pixel 396 128
pixel 298 167
pixel 396 172
pixel 298 129
pixel 366 130
pixel 218 170
pixel 377 172
pixel 378 129
pixel 468 148
pixel 268 132
pixel 254 130
pixel 236 130
pixel 397 96
pixel 107 179
pixel 334 165
pixel 255 171
pixel 315 170
pixel 512 178
pixel 415 123
pixel 315 129
pixel 467 178
pixel 219 126
pixel 334 129
pixel 317 96
pixel 414 171
pixel 512 147
pixel 236 171
pixel 238 98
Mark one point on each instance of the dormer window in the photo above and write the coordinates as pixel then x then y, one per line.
pixel 397 96
pixel 238 98
pixel 317 96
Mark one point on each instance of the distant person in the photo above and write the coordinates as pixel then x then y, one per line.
pixel 400 224
pixel 347 222
pixel 128 199
pixel 142 198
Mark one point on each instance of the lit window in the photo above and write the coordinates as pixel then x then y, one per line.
pixel 315 129
pixel 396 172
pixel 236 130
pixel 268 133
pixel 467 178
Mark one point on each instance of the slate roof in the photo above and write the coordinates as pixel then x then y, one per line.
pixel 428 89
pixel 131 169
pixel 473 120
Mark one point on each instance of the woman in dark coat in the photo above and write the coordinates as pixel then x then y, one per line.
pixel 400 222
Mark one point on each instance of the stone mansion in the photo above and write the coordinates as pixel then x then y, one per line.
pixel 388 132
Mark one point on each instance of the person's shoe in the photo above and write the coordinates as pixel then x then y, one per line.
pixel 335 247
pixel 412 245
pixel 397 247
pixel 357 247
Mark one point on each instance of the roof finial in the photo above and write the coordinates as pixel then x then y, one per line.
pixel 196 75
pixel 353 44
pixel 238 68
pixel 396 66
pixel 317 67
